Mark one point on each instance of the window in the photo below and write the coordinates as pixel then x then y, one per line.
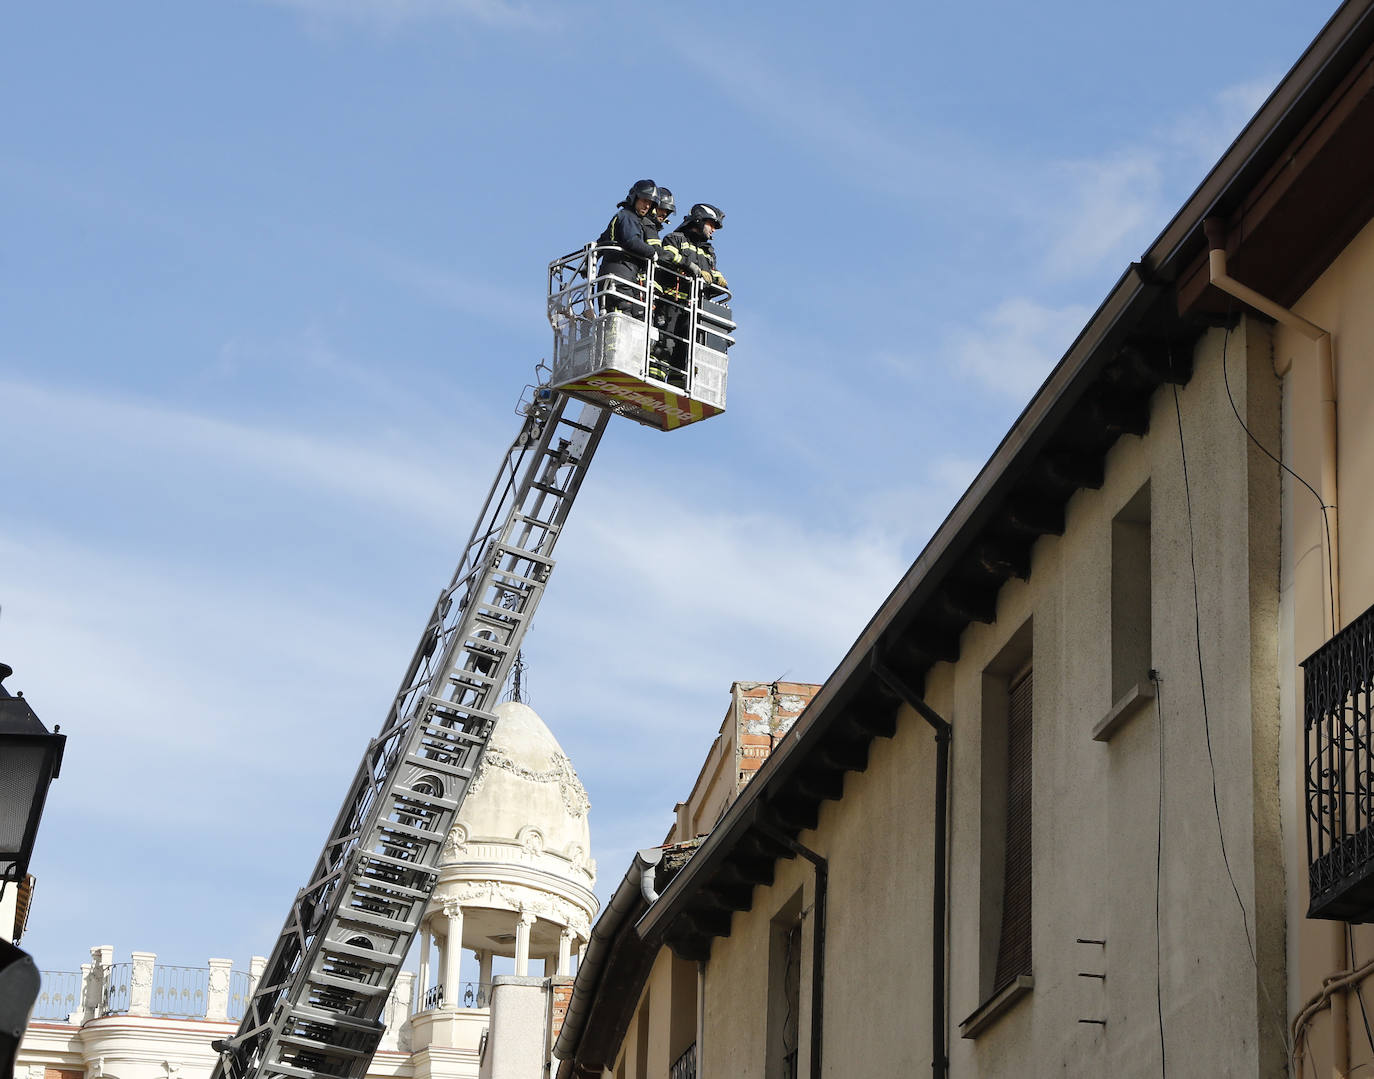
pixel 784 991
pixel 1131 625
pixel 1131 595
pixel 1014 937
pixel 1006 871
pixel 642 1038
pixel 682 1019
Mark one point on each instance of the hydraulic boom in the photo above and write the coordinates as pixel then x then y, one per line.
pixel 317 1011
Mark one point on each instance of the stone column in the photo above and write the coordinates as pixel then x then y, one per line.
pixel 79 1016
pixel 483 979
pixel 397 1011
pixel 217 989
pixel 424 969
pixel 256 966
pixel 565 939
pixel 141 983
pixel 522 943
pixel 453 955
pixel 93 988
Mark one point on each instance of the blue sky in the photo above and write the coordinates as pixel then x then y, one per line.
pixel 271 283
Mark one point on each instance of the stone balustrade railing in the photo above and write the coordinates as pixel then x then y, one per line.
pixel 143 986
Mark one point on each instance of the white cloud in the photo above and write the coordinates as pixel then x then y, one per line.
pixel 1103 211
pixel 406 478
pixel 1016 344
pixel 839 127
pixel 1110 205
pixel 1202 135
pixel 389 14
pixel 459 291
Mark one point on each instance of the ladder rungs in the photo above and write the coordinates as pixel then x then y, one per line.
pixel 462 713
pixel 278 1067
pixel 520 552
pixel 413 797
pixel 440 766
pixel 318 977
pixel 456 735
pixel 366 917
pixel 343 1022
pixel 338 947
pixel 399 863
pixel 396 828
pixel 324 1048
pixel 461 677
pixel 391 890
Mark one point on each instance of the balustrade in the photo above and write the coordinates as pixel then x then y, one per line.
pixel 1339 770
pixel 143 987
pixel 685 1066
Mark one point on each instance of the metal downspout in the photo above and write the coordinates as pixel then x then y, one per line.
pixel 822 868
pixel 1340 956
pixel 940 1060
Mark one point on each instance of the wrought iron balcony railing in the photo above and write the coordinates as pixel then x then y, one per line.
pixel 1338 757
pixel 685 1066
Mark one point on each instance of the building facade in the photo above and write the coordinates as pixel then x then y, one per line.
pixel 1091 794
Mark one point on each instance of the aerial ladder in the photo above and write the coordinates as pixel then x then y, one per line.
pixel 317 1010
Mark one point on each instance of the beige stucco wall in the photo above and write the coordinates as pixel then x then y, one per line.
pixel 1340 302
pixel 1094 831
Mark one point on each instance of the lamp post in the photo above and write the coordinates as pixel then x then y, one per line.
pixel 30 757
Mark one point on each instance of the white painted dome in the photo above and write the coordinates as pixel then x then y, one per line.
pixel 526 805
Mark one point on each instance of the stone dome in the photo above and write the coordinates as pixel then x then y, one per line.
pixel 526 805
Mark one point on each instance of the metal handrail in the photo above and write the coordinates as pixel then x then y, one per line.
pixel 685 1066
pixel 1338 752
pixel 59 994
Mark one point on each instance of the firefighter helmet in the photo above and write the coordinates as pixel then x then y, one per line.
pixel 642 189
pixel 665 201
pixel 704 211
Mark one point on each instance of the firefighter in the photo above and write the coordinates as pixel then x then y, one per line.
pixel 631 229
pixel 693 239
pixel 688 250
pixel 664 208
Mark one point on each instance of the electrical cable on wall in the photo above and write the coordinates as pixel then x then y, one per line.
pixel 1159 861
pixel 1207 726
pixel 1359 986
pixel 1321 504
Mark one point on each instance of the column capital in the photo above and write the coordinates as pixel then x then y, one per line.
pixel 527 917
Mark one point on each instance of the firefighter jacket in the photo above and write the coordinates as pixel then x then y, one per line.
pixel 684 250
pixel 638 236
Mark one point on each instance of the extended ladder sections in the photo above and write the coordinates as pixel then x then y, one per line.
pixel 318 1008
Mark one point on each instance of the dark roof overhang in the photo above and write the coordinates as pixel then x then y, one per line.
pixel 1140 338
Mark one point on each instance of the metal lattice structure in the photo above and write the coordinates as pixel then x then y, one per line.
pixel 317 1011
pixel 1339 770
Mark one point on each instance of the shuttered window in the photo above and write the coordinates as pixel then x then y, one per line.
pixel 1014 942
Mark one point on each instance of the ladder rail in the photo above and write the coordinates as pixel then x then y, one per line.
pixel 350 927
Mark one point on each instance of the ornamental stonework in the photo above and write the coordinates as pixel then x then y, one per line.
pixel 560 771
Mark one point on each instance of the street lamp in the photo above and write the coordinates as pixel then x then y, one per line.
pixel 30 757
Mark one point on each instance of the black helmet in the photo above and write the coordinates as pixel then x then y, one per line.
pixel 642 189
pixel 704 211
pixel 665 201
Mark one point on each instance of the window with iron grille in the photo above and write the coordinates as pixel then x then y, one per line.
pixel 1014 939
pixel 1338 755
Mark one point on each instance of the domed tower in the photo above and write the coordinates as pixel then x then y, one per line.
pixel 516 875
